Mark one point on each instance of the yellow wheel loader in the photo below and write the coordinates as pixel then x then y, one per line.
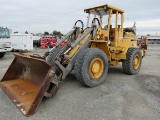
pixel 89 52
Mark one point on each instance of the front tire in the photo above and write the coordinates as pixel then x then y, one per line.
pixel 133 61
pixel 51 57
pixel 91 67
pixel 52 54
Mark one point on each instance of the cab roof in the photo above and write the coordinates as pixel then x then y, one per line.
pixel 103 10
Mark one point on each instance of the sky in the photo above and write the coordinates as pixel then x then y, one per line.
pixel 38 16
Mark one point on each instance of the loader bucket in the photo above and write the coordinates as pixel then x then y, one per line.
pixel 26 82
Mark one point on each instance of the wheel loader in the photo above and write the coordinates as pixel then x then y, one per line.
pixel 89 52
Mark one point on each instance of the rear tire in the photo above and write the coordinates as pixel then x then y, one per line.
pixel 2 54
pixel 133 61
pixel 91 67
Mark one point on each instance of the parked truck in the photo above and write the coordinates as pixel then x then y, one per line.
pixel 21 42
pixel 5 42
pixel 50 41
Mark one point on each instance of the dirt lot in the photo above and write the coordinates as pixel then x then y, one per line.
pixel 121 97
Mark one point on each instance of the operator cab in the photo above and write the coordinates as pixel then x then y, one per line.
pixel 111 22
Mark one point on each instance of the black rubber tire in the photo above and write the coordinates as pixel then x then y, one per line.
pixel 50 59
pixel 52 54
pixel 127 64
pixel 82 66
pixel 2 54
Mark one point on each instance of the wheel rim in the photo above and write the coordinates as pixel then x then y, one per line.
pixel 136 61
pixel 96 68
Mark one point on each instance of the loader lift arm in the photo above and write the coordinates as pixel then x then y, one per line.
pixel 80 44
pixel 73 30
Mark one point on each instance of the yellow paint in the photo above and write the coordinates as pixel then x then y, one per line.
pixel 74 50
pixel 111 41
pixel 96 68
pixel 103 45
pixel 136 61
pixel 102 7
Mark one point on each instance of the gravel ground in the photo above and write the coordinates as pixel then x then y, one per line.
pixel 120 97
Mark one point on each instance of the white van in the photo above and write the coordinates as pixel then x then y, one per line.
pixel 21 42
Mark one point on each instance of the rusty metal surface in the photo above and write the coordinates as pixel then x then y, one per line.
pixel 143 42
pixel 26 82
pixel 52 88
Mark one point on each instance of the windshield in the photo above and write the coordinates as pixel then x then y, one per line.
pixel 4 33
pixel 103 20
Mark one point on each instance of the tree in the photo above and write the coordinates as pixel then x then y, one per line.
pixel 46 33
pixel 57 33
pixel 26 32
